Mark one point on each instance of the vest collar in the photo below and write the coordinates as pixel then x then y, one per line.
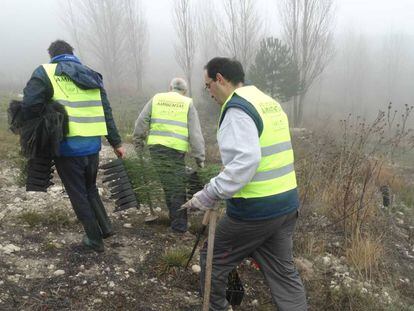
pixel 65 58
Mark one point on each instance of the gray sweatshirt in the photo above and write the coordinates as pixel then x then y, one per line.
pixel 238 141
pixel 195 136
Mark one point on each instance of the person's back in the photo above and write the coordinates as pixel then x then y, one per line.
pixel 169 121
pixel 80 90
pixel 170 126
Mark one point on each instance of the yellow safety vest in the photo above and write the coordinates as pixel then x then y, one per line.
pixel 169 121
pixel 276 173
pixel 84 107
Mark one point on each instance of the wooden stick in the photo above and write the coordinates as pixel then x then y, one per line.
pixel 209 263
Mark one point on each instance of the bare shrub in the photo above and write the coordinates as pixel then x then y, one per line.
pixel 340 174
pixel 343 171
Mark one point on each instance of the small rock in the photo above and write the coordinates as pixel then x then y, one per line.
pixel 196 268
pixel 128 225
pixel 97 300
pixel 399 221
pixel 41 293
pixel 158 209
pixel 111 284
pixel 131 270
pixel 10 248
pixel 326 260
pixel 59 272
pixel 13 278
pixel 255 302
pixel 84 282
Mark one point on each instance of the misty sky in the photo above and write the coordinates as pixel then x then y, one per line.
pixel 27 27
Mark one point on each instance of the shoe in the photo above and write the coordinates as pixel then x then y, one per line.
pixel 89 244
pixel 93 237
pixel 185 236
pixel 108 234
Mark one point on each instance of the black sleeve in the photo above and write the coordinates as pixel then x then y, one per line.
pixel 113 136
pixel 36 94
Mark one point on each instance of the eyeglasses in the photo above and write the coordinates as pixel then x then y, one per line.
pixel 208 85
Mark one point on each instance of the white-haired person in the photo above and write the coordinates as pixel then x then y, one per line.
pixel 169 125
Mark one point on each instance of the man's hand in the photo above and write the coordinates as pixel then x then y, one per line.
pixel 201 201
pixel 120 151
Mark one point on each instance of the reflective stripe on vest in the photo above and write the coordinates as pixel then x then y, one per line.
pixel 84 107
pixel 169 121
pixel 276 173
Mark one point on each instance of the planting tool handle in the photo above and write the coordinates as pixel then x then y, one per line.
pixel 212 218
pixel 206 218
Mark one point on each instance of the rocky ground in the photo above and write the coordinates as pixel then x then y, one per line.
pixel 43 268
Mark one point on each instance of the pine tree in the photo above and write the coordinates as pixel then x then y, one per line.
pixel 274 70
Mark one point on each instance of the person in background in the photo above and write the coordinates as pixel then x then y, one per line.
pixel 81 91
pixel 170 126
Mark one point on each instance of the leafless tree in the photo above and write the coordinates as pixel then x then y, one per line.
pixel 207 26
pixel 71 21
pixel 185 27
pixel 307 26
pixel 136 38
pixel 242 30
pixel 106 39
pixel 113 37
pixel 394 53
pixel 354 54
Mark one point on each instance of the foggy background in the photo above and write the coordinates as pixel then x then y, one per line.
pixel 372 61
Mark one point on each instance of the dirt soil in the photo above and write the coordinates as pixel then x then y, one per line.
pixel 43 267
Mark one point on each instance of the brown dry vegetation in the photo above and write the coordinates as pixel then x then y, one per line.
pixel 351 251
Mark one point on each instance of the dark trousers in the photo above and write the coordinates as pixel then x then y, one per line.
pixel 170 167
pixel 269 243
pixel 78 175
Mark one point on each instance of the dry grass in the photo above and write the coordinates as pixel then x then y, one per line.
pixel 9 144
pixel 365 254
pixel 339 175
pixel 310 245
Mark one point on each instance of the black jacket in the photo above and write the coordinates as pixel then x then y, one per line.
pixel 40 137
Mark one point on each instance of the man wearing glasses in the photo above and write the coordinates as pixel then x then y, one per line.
pixel 258 183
